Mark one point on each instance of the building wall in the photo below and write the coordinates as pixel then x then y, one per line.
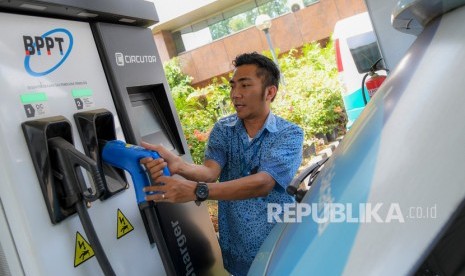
pixel 165 45
pixel 292 30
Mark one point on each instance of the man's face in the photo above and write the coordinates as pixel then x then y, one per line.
pixel 248 95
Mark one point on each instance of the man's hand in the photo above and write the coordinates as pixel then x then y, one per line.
pixel 175 190
pixel 154 167
pixel 173 161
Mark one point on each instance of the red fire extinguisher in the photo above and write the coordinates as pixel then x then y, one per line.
pixel 374 81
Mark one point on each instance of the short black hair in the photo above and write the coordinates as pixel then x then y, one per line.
pixel 266 67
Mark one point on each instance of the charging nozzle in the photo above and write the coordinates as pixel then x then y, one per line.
pixel 127 157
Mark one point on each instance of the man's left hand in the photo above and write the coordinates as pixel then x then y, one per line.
pixel 171 189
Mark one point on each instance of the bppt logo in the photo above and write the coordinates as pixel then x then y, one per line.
pixel 45 53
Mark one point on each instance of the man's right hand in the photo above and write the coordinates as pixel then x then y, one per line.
pixel 173 161
pixel 208 172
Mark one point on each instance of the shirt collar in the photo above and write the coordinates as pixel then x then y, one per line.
pixel 270 123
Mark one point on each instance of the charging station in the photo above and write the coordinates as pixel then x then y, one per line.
pixel 74 75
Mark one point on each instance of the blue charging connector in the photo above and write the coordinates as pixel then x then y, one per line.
pixel 127 157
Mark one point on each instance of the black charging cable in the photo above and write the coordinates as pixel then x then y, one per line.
pixel 68 162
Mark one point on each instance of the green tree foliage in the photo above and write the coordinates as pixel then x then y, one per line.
pixel 220 29
pixel 198 109
pixel 246 19
pixel 309 96
pixel 238 23
pixel 273 8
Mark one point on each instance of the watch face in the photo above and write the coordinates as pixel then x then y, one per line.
pixel 202 191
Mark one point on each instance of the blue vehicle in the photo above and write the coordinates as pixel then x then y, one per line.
pixel 393 192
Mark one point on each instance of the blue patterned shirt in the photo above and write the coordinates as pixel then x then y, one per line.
pixel 275 150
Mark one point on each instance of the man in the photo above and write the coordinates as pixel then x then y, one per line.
pixel 255 155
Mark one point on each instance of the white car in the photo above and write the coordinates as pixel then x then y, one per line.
pixel 357 52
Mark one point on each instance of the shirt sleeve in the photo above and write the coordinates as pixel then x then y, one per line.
pixel 217 145
pixel 283 156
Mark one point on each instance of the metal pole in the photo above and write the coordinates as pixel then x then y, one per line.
pixel 275 59
pixel 270 44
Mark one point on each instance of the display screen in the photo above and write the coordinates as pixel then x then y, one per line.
pixel 150 124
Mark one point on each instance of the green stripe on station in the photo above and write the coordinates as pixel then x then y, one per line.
pixel 33 97
pixel 77 93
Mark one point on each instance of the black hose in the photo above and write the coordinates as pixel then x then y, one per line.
pixel 93 238
pixel 363 89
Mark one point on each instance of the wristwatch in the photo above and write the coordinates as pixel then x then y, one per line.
pixel 201 192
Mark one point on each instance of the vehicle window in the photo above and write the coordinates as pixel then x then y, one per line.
pixel 364 50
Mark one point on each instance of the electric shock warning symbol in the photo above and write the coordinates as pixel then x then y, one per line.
pixel 83 251
pixel 124 226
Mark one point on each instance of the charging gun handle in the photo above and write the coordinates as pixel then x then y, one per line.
pixel 69 159
pixel 77 159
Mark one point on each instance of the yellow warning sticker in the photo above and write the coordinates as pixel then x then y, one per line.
pixel 83 251
pixel 123 226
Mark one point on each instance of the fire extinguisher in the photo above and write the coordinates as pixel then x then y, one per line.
pixel 374 82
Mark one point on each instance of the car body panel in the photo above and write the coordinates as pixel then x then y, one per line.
pixel 406 153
